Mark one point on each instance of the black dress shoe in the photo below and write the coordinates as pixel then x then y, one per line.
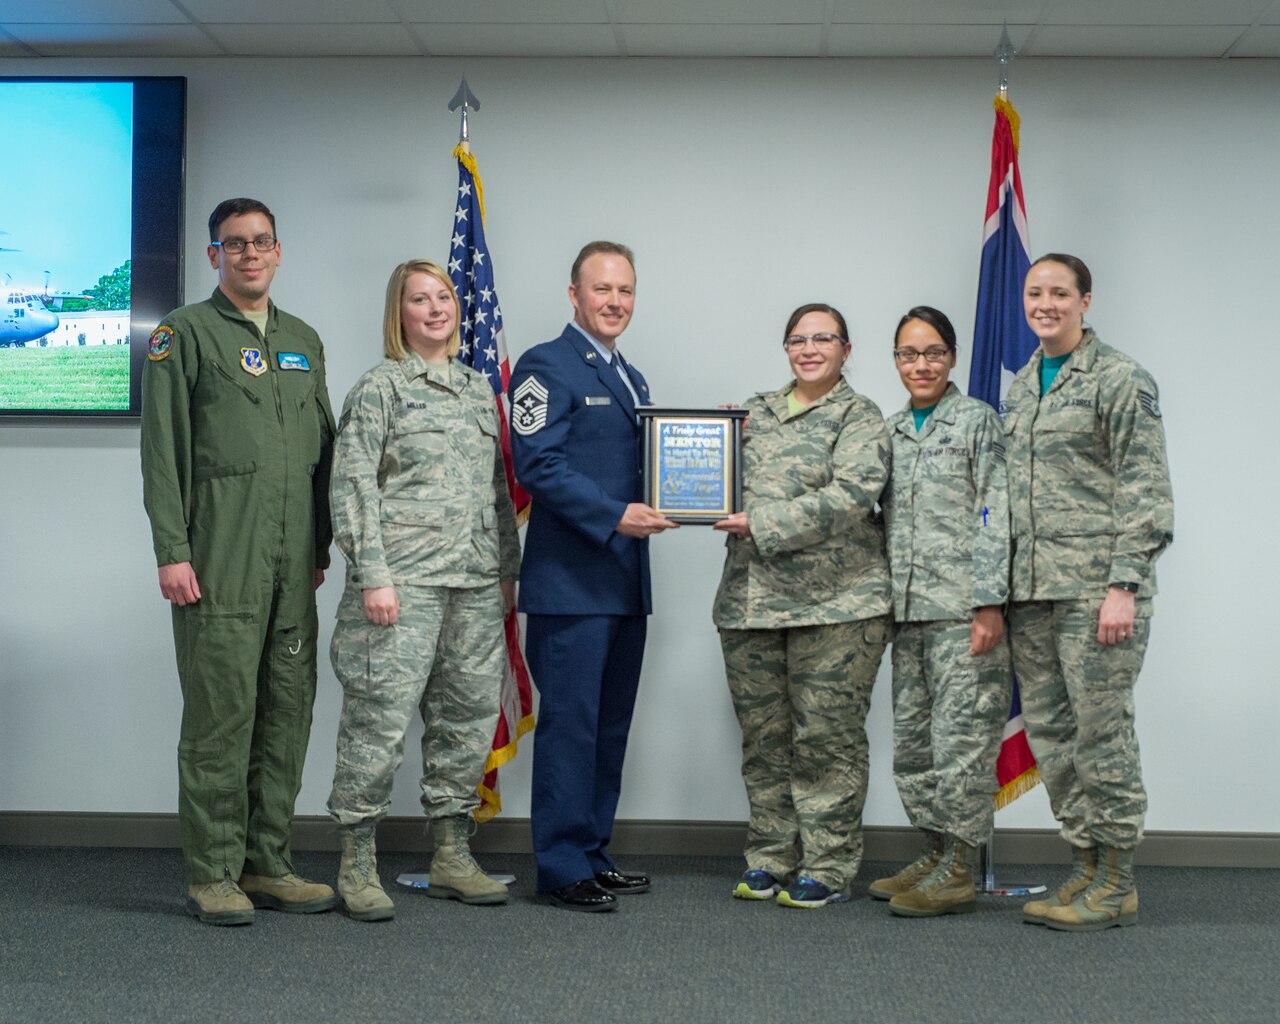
pixel 614 880
pixel 586 896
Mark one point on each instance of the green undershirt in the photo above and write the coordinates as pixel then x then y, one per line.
pixel 1049 368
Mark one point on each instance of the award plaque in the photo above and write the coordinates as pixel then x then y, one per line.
pixel 693 462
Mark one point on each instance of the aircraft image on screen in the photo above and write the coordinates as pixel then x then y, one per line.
pixel 23 317
pixel 23 314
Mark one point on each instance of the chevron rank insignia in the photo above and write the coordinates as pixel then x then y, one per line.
pixel 529 407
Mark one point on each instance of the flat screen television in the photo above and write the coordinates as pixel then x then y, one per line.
pixel 91 237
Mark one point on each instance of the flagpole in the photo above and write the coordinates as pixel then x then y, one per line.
pixel 1004 54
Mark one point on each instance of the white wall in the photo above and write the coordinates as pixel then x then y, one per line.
pixel 746 187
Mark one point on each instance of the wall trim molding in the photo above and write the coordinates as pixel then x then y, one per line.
pixel 641 838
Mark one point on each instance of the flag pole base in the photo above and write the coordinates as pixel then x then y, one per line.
pixel 990 887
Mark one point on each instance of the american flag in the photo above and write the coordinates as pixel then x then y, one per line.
pixel 484 348
pixel 1002 344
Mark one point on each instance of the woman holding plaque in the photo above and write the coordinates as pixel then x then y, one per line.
pixel 422 513
pixel 802 612
pixel 946 514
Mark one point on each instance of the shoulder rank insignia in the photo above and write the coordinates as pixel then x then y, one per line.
pixel 1149 402
pixel 529 407
pixel 292 361
pixel 160 344
pixel 251 361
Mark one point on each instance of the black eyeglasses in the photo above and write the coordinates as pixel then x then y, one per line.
pixel 235 246
pixel 907 356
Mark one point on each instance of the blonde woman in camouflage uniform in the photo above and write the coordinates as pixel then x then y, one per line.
pixel 1092 509
pixel 422 513
pixel 947 516
pixel 802 611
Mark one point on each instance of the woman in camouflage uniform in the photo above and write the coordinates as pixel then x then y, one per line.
pixel 802 611
pixel 1092 509
pixel 947 517
pixel 422 513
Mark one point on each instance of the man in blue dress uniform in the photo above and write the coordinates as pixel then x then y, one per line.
pixel 584 580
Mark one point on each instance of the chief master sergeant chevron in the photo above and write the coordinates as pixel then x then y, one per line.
pixel 237 437
pixel 584 580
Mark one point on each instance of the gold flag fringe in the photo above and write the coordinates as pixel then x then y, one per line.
pixel 1015 788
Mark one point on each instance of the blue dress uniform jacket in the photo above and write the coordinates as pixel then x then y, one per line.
pixel 577 448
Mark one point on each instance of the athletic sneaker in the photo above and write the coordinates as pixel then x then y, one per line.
pixel 757 885
pixel 809 893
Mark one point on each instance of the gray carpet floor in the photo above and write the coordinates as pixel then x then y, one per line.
pixel 91 935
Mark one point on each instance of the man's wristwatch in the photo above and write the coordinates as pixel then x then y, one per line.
pixel 1132 588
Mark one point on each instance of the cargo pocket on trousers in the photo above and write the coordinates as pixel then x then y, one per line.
pixel 292 658
pixel 360 652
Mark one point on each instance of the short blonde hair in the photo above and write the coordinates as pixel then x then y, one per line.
pixel 393 346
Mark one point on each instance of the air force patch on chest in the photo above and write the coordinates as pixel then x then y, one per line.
pixel 251 361
pixel 529 407
pixel 292 361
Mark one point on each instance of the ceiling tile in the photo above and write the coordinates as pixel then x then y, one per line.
pixel 94 12
pixel 518 40
pixel 1263 41
pixel 1132 41
pixel 933 12
pixel 919 40
pixel 547 12
pixel 1162 12
pixel 315 40
pixel 718 12
pixel 722 40
pixel 290 12
pixel 89 40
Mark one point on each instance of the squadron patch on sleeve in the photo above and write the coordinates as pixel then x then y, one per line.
pixel 1150 404
pixel 529 407
pixel 160 344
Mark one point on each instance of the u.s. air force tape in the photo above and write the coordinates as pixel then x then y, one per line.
pixel 1148 402
pixel 529 407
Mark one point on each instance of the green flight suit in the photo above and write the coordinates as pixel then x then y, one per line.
pixel 237 439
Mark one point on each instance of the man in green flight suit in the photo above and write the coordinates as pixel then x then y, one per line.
pixel 237 436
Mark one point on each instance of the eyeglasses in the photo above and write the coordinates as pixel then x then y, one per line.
pixel 235 246
pixel 798 341
pixel 907 356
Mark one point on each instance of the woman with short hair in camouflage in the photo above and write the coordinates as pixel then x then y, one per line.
pixel 947 518
pixel 422 513
pixel 1092 509
pixel 802 611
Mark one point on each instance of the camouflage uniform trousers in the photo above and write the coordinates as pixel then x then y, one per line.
pixel 1077 702
pixel 802 695
pixel 444 656
pixel 949 710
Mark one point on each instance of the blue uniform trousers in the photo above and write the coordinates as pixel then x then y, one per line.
pixel 587 670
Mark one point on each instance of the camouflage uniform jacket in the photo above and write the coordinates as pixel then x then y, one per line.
pixel 419 489
pixel 810 483
pixel 1089 491
pixel 946 511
